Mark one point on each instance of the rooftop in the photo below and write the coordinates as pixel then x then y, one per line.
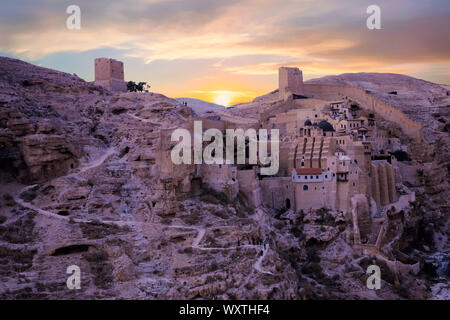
pixel 325 126
pixel 308 170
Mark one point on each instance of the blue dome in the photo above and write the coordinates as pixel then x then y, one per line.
pixel 325 126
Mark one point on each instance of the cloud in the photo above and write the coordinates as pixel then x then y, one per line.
pixel 242 41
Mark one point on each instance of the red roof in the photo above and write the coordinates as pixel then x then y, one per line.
pixel 308 170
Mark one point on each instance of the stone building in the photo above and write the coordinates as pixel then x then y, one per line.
pixel 326 157
pixel 290 82
pixel 109 74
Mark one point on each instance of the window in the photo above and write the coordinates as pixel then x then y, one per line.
pixel 312 177
pixel 305 187
pixel 317 177
pixel 306 177
pixel 326 176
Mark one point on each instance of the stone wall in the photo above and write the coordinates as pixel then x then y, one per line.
pixel 368 102
pixel 312 195
pixel 276 191
pixel 220 177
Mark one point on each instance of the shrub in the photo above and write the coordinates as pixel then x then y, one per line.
pixel 139 87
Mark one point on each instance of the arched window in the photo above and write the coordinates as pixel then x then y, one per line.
pixel 305 187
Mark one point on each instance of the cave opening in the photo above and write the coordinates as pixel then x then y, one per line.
pixel 72 249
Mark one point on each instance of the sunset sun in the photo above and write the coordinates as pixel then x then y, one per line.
pixel 223 99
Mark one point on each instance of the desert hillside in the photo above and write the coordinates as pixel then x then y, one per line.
pixel 201 107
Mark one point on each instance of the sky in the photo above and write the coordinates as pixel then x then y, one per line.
pixel 229 51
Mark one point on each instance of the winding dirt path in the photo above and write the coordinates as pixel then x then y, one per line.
pixel 201 231
pixel 144 120
pixel 99 161
pixel 258 263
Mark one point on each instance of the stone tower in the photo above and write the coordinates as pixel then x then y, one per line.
pixel 109 74
pixel 290 81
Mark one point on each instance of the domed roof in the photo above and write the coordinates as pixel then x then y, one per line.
pixel 325 126
pixel 308 123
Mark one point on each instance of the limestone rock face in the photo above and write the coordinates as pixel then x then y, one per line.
pixel 46 156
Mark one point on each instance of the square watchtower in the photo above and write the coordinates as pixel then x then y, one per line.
pixel 109 74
